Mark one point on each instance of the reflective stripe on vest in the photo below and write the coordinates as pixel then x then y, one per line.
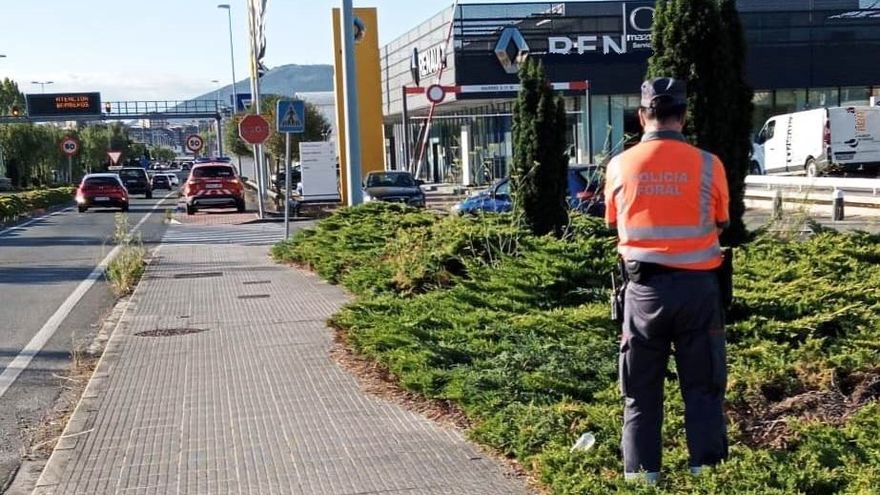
pixel 690 258
pixel 667 232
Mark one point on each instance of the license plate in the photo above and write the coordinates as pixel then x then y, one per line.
pixel 102 198
pixel 214 186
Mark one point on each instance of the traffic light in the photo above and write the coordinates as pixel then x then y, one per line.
pixel 15 111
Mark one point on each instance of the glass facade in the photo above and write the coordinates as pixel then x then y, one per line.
pixel 802 54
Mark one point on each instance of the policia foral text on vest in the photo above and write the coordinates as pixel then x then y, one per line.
pixel 668 201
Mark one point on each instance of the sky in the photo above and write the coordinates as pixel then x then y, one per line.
pixel 169 49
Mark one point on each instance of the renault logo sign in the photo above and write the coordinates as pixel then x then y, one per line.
pixel 511 38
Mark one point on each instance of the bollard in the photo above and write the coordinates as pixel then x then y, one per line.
pixel 837 201
pixel 777 205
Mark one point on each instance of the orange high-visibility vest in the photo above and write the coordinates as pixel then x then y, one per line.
pixel 667 200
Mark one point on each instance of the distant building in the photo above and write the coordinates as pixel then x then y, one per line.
pixel 326 103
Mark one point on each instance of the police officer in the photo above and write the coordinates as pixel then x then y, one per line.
pixel 668 201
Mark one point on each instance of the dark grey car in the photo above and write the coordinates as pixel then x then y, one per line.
pixel 396 187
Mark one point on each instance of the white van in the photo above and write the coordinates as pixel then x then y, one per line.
pixel 820 141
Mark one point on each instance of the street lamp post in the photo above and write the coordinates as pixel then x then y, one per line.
pixel 218 127
pixel 231 51
pixel 42 85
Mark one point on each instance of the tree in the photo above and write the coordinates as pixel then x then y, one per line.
pixel 10 96
pixel 702 42
pixel 162 153
pixel 316 129
pixel 540 162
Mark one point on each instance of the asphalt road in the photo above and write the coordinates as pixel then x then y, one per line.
pixel 41 264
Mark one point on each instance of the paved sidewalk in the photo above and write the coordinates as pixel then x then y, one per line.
pixel 252 403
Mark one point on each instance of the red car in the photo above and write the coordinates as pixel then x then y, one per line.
pixel 101 190
pixel 214 185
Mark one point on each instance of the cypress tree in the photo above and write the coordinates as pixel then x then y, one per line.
pixel 540 163
pixel 737 145
pixel 702 42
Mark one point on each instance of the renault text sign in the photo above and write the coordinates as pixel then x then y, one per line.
pixel 431 60
pixel 638 20
pixel 61 104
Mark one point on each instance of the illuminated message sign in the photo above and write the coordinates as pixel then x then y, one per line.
pixel 60 104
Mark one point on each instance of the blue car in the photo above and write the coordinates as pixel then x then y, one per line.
pixel 585 186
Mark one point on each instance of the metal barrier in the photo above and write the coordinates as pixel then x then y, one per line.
pixel 862 187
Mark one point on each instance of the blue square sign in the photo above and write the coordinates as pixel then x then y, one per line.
pixel 290 116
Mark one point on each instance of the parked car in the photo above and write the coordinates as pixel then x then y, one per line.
pixel 136 181
pixel 101 190
pixel 585 186
pixel 214 185
pixel 278 180
pixel 397 187
pixel 161 181
pixel 819 141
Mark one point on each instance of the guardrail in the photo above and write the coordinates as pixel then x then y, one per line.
pixel 815 184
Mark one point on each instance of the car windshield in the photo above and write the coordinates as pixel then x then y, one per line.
pixel 503 189
pixel 101 181
pixel 213 172
pixel 390 180
pixel 131 174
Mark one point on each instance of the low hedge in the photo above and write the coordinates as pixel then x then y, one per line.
pixel 515 330
pixel 14 206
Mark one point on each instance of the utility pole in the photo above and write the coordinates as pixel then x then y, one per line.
pixel 352 126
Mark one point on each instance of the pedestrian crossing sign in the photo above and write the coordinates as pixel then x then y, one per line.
pixel 290 116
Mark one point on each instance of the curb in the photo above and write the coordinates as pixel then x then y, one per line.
pixel 83 415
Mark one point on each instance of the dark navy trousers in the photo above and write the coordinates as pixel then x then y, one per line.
pixel 678 313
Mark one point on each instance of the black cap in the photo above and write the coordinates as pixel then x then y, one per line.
pixel 664 91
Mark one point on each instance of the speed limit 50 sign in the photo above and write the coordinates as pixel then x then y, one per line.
pixel 69 145
pixel 194 143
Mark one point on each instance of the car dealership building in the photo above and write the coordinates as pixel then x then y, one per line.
pixel 801 54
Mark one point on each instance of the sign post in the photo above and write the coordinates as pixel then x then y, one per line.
pixel 69 146
pixel 291 119
pixel 254 130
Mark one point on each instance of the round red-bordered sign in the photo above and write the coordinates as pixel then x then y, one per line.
pixel 435 93
pixel 194 143
pixel 254 129
pixel 69 145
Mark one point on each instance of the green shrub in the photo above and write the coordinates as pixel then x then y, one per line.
pixel 14 206
pixel 514 329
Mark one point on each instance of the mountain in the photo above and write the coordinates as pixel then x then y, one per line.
pixel 284 80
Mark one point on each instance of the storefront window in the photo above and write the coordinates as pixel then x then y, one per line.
pixel 601 125
pixel 823 97
pixel 763 101
pixel 854 96
pixel 624 122
pixel 790 100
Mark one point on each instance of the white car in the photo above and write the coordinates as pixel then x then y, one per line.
pixel 173 179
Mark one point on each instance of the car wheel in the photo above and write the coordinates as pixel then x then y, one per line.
pixel 811 168
pixel 240 206
pixel 124 208
pixel 190 210
pixel 83 209
pixel 149 195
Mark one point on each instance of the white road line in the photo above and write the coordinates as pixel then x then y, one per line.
pixel 24 358
pixel 32 220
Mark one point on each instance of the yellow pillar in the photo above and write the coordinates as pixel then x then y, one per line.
pixel 369 87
